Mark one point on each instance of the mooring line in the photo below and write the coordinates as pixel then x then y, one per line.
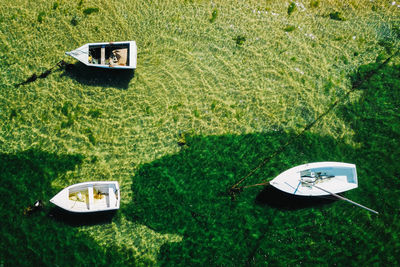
pixel 61 64
pixel 235 189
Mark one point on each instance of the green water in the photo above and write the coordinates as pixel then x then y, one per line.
pixel 184 194
pixel 220 87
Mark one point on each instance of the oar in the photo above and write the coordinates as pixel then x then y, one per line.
pixel 346 199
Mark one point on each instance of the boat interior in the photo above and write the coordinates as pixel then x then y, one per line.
pixel 110 54
pixel 340 173
pixel 89 198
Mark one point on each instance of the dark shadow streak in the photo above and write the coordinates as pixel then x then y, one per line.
pixel 44 74
pixel 86 75
pixel 283 201
pixel 94 76
pixel 81 219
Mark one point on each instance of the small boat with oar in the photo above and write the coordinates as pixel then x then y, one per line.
pixel 115 55
pixel 335 177
pixel 89 197
pixel 319 179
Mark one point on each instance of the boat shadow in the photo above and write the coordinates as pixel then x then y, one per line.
pixel 92 76
pixel 81 219
pixel 276 198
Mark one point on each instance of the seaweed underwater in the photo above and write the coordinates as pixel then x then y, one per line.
pixel 190 199
pixel 219 88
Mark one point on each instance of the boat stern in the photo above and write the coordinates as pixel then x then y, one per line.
pixel 132 54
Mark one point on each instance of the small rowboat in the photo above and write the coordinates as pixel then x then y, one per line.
pixel 317 179
pixel 116 55
pixel 89 197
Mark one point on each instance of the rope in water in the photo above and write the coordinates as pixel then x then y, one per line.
pixel 34 77
pixel 235 189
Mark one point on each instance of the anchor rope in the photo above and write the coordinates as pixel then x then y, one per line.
pixel 235 189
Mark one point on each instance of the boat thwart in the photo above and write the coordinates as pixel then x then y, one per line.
pixel 116 55
pixel 89 197
pixel 319 179
pixel 334 177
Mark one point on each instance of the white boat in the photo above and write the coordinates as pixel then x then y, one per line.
pixel 317 179
pixel 115 55
pixel 89 197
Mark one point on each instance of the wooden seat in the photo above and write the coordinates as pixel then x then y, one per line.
pixel 111 197
pixel 91 197
pixel 103 56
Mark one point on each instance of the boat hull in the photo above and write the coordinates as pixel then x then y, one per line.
pixel 89 197
pixel 335 177
pixel 112 55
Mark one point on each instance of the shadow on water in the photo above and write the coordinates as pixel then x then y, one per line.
pixel 375 118
pixel 26 177
pixel 186 193
pixel 275 198
pixel 86 75
pixel 81 219
pixel 93 76
pixel 28 174
pixel 60 65
pixel 38 239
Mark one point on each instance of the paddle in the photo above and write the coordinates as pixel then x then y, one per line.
pixel 346 199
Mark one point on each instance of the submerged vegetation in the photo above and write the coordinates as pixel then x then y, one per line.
pixel 220 86
pixel 239 40
pixel 90 10
pixel 314 3
pixel 214 15
pixel 292 8
pixel 41 16
pixel 337 16
pixel 289 28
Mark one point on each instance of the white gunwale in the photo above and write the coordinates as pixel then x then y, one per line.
pixel 82 54
pixel 107 197
pixel 344 178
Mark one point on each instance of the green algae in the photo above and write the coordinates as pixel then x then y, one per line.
pixel 203 108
